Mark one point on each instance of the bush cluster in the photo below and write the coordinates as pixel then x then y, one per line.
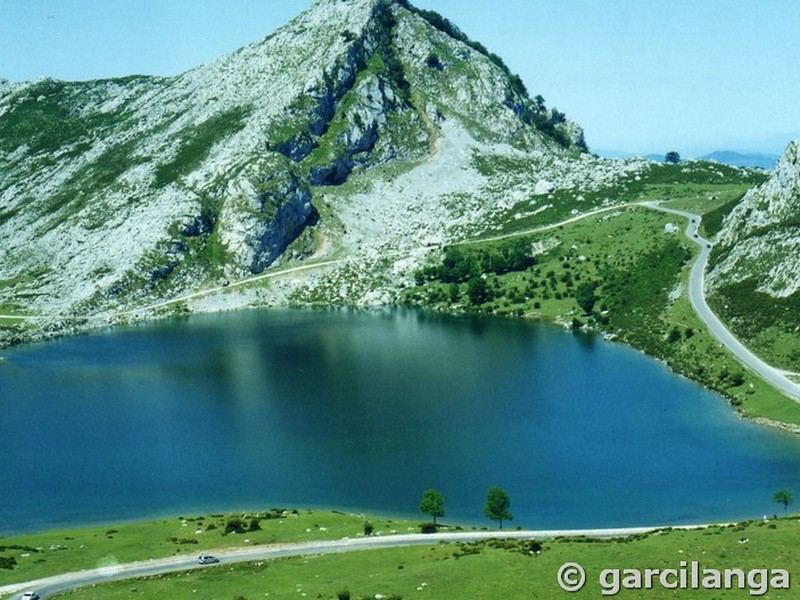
pixel 465 264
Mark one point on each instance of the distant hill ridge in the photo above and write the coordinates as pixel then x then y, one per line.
pixel 741 159
pixel 753 160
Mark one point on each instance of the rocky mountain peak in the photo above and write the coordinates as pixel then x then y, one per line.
pixel 143 187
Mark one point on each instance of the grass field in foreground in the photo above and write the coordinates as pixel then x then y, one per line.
pixel 488 570
pixel 38 555
pixel 491 569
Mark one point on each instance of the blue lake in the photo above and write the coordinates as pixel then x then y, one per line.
pixel 363 411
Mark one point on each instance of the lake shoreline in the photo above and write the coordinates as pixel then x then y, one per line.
pixel 80 325
pixel 60 329
pixel 202 386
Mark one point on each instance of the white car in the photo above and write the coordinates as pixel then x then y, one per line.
pixel 207 559
pixel 30 596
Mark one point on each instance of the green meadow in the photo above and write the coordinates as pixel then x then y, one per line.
pixel 495 568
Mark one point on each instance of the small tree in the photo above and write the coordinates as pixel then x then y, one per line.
pixel 784 497
pixel 432 504
pixel 235 525
pixel 454 292
pixel 497 505
pixel 478 291
pixel 672 157
pixel 585 297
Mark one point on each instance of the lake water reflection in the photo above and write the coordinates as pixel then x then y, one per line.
pixel 364 411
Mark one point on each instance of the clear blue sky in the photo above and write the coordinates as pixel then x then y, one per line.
pixel 639 75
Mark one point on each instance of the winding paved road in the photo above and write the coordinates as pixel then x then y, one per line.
pixel 696 290
pixel 70 581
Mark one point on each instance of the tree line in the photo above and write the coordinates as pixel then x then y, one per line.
pixel 463 264
pixel 497 506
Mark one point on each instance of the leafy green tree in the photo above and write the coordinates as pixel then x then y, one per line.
pixel 674 335
pixel 478 290
pixel 783 496
pixel 585 297
pixel 235 525
pixel 557 117
pixel 497 505
pixel 454 292
pixel 672 157
pixel 432 504
pixel 458 266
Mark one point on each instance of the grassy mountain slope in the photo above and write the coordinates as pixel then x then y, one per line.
pixel 754 282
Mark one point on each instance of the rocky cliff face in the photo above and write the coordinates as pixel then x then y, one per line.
pixel 760 239
pixel 263 213
pixel 380 126
pixel 101 178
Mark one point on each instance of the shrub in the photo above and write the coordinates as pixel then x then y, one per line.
pixel 428 528
pixel 585 296
pixel 433 61
pixel 182 541
pixel 534 547
pixel 477 291
pixel 235 525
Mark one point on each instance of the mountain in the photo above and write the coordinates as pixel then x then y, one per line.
pixel 362 133
pixel 739 159
pixel 754 280
pixel 760 238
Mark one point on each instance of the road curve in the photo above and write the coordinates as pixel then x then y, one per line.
pixel 696 290
pixel 57 584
